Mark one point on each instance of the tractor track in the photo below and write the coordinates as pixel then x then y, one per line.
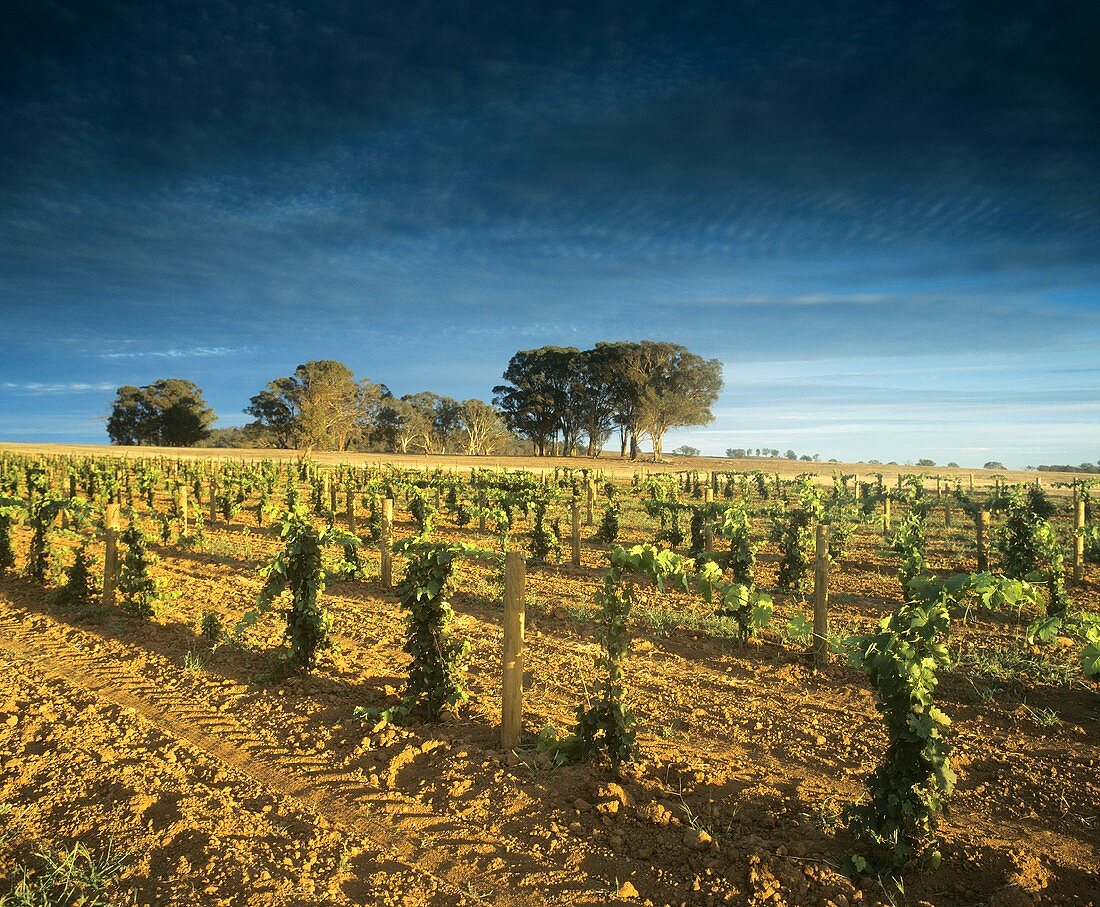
pixel 451 853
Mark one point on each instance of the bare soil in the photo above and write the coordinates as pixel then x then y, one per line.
pixel 228 790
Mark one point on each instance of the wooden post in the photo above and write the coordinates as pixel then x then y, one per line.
pixel 575 515
pixel 511 715
pixel 331 496
pixel 947 512
pixel 1079 543
pixel 590 491
pixel 181 505
pixel 111 523
pixel 821 597
pixel 983 532
pixel 481 516
pixel 385 543
pixel 886 515
pixel 213 502
pixel 351 510
pixel 708 531
pixel 714 483
pixel 72 486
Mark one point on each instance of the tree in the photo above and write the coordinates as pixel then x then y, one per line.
pixel 685 450
pixel 791 455
pixel 624 391
pixel 276 411
pixel 447 422
pixel 320 406
pixel 678 388
pixel 401 425
pixel 994 464
pixel 483 429
pixel 599 402
pixel 541 396
pixel 736 452
pixel 423 425
pixel 170 412
pixel 328 405
pixel 924 461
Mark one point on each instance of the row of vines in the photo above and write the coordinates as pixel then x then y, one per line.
pixel 706 533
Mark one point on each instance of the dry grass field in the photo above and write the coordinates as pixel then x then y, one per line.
pixel 215 786
pixel 609 462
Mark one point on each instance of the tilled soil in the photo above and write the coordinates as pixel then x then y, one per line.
pixel 226 789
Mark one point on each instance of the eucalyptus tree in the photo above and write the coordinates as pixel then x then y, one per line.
pixel 170 412
pixel 321 406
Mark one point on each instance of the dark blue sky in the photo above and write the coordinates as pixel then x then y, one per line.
pixel 883 217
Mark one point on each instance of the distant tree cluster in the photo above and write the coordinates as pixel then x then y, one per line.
pixel 559 398
pixel 1084 467
pixel 554 398
pixel 322 406
pixel 741 453
pixel 168 413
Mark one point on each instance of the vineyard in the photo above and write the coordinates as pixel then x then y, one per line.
pixel 290 682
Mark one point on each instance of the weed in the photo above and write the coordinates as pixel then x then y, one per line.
pixel 1013 664
pixel 192 662
pixel 1042 717
pixel 67 877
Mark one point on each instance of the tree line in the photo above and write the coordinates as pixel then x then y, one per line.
pixel 742 453
pixel 554 400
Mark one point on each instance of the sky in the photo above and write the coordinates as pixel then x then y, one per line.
pixel 882 217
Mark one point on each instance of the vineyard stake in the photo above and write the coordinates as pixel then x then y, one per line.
pixel 351 510
pixel 385 543
pixel 111 522
pixel 331 496
pixel 213 502
pixel 821 596
pixel 1079 543
pixel 575 518
pixel 983 531
pixel 886 516
pixel 708 530
pixel 182 505
pixel 511 716
pixel 590 490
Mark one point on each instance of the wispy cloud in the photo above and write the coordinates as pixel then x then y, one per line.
pixel 195 352
pixel 60 387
